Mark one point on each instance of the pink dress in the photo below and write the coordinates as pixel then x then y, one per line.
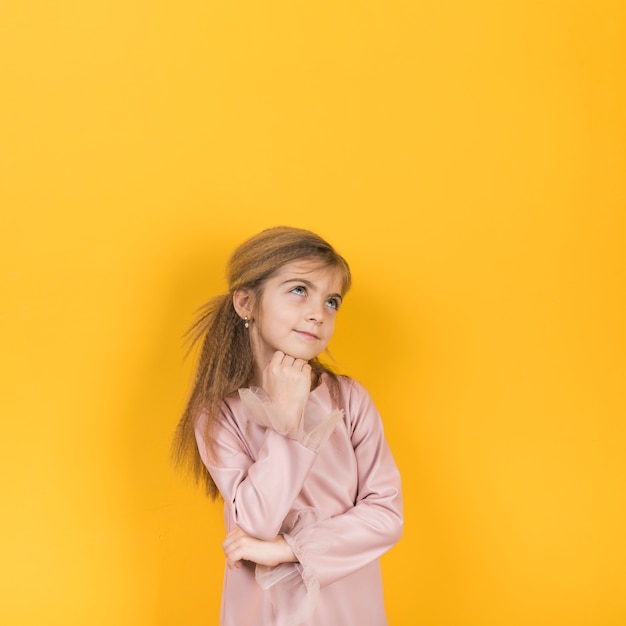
pixel 329 486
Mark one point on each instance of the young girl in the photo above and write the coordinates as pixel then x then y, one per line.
pixel 311 493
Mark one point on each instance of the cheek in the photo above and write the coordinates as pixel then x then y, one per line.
pixel 330 324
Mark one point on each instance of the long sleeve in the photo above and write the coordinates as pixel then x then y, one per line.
pixel 258 464
pixel 259 490
pixel 333 548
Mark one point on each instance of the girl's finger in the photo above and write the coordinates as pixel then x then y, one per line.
pixel 277 358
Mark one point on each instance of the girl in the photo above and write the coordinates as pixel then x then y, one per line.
pixel 311 493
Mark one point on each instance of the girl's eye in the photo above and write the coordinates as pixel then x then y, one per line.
pixel 333 303
pixel 299 291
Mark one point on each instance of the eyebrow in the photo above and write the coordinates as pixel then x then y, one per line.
pixel 308 283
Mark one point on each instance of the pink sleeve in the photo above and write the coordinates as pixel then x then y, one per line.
pixel 333 548
pixel 312 430
pixel 259 492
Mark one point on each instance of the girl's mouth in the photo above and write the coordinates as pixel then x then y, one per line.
pixel 306 335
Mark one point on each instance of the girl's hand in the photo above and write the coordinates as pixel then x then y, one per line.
pixel 238 547
pixel 287 381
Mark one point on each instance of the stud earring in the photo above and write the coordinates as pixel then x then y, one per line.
pixel 246 323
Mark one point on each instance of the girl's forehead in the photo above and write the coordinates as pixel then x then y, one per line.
pixel 311 270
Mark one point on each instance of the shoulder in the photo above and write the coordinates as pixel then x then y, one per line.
pixel 352 390
pixel 356 401
pixel 232 410
pixel 361 414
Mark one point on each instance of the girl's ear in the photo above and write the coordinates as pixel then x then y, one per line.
pixel 243 301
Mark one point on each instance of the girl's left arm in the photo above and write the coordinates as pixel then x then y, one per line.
pixel 330 549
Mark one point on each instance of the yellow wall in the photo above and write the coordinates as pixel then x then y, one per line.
pixel 468 158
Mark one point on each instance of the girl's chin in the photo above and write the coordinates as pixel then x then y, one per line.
pixel 305 355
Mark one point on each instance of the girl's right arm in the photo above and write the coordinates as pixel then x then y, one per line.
pixel 260 491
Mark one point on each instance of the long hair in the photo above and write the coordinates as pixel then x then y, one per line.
pixel 226 360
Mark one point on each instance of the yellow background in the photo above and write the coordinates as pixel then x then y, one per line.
pixel 468 158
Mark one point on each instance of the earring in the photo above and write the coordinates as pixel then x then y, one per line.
pixel 246 324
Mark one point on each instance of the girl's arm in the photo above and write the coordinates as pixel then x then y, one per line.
pixel 333 548
pixel 260 491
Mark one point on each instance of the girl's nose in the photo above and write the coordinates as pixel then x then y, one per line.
pixel 315 313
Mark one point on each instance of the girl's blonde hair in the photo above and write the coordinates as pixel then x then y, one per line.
pixel 226 360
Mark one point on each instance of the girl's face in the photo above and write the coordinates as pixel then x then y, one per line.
pixel 296 312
